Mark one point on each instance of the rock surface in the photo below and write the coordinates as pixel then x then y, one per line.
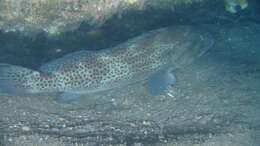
pixel 57 16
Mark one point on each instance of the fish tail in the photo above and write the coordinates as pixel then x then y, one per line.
pixel 16 79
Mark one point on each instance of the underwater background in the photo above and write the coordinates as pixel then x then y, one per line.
pixel 215 101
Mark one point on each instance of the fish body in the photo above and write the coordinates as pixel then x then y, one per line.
pixel 136 60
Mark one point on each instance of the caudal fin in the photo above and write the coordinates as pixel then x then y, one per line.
pixel 15 79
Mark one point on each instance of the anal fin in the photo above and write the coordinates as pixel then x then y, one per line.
pixel 68 97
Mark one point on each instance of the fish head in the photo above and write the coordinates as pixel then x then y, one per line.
pixel 188 43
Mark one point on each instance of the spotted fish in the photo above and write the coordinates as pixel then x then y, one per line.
pixel 149 57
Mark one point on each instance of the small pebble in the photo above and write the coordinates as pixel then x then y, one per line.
pixel 26 128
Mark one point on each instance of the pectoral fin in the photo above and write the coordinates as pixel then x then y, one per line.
pixel 160 82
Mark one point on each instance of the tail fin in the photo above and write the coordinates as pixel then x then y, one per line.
pixel 15 79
